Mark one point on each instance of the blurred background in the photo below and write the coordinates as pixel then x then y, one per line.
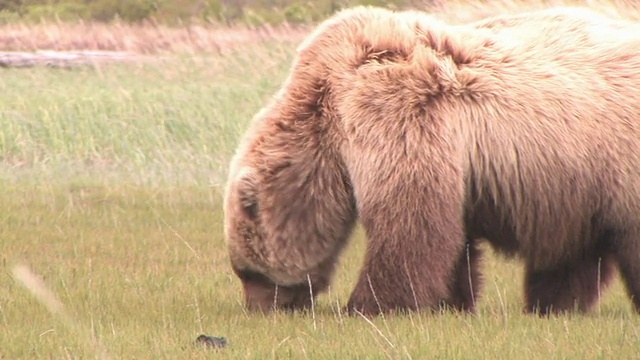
pixel 181 11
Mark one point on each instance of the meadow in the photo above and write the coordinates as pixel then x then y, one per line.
pixel 111 238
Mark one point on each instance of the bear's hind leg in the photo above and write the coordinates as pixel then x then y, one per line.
pixel 467 280
pixel 569 286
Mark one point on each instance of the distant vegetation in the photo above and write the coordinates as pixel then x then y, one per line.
pixel 182 11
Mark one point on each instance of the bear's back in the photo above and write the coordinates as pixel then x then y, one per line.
pixel 557 114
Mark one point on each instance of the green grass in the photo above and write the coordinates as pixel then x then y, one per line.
pixel 110 190
pixel 165 120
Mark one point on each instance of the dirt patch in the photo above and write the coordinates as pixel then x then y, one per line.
pixel 62 59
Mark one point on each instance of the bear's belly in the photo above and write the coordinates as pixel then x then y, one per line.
pixel 484 220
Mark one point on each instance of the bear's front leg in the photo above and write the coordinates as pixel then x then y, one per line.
pixel 406 152
pixel 413 218
pixel 410 269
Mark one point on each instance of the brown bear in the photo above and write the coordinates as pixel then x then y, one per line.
pixel 522 130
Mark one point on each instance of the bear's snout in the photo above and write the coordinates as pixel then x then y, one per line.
pixel 263 295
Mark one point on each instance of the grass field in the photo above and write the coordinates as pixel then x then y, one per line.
pixel 110 185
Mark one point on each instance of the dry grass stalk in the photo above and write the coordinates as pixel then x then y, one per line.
pixel 141 39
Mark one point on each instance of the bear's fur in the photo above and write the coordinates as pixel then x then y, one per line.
pixel 523 130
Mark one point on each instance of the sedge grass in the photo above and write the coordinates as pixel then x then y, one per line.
pixel 164 120
pixel 141 272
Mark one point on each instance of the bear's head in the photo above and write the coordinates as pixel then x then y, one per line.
pixel 289 204
pixel 285 229
pixel 289 201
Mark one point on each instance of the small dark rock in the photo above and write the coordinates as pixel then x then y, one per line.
pixel 211 341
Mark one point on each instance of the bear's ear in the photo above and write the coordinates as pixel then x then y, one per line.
pixel 247 186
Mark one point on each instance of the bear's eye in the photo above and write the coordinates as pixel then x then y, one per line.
pixel 249 205
pixel 248 194
pixel 250 209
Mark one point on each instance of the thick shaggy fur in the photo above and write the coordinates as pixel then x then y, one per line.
pixel 523 130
